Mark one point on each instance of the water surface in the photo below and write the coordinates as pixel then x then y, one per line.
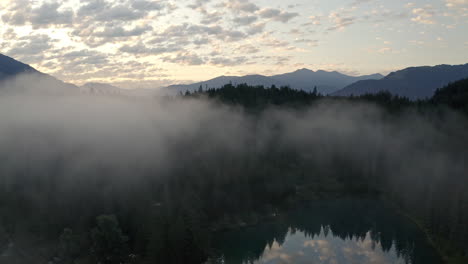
pixel 332 232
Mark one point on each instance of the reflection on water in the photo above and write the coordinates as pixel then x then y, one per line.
pixel 332 232
pixel 298 248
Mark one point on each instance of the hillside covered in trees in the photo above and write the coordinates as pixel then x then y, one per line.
pixel 154 190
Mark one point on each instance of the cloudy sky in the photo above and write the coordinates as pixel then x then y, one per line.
pixel 150 43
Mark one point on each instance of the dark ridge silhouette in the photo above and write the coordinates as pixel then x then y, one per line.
pixel 414 83
pixel 255 80
pixel 17 77
pixel 10 67
pixel 303 79
pixel 100 88
pixel 326 82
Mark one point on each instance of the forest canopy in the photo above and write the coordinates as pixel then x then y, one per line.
pixel 149 181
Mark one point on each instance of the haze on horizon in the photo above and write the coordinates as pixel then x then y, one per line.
pixel 145 43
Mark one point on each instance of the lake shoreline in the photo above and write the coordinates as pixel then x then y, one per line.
pixel 299 200
pixel 440 244
pixel 433 238
pixel 335 216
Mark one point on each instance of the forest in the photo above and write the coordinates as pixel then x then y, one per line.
pixel 158 181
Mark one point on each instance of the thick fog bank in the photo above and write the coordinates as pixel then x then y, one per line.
pixel 122 135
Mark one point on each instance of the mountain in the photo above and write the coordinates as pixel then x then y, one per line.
pixel 10 67
pixel 16 76
pixel 414 82
pixel 326 82
pixel 94 88
pixel 218 82
pixel 100 88
pixel 304 79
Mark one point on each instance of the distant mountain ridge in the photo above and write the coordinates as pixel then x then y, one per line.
pixel 303 79
pixel 414 82
pixel 95 88
pixel 10 67
pixel 218 82
pixel 100 88
pixel 16 76
pixel 326 82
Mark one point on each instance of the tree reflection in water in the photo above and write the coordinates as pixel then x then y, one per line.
pixel 329 231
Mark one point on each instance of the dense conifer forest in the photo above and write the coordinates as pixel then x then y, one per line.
pixel 143 213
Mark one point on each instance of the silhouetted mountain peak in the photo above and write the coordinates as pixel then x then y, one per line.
pixel 412 82
pixel 304 70
pixel 96 88
pixel 13 75
pixel 10 67
pixel 301 79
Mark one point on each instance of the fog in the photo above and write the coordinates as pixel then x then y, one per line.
pixel 118 142
pixel 40 124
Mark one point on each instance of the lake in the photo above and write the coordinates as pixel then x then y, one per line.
pixel 334 231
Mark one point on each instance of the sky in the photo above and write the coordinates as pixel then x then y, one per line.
pixel 154 43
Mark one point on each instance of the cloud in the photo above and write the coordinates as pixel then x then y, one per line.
pixel 16 18
pixel 187 29
pixel 16 13
pixel 120 12
pixel 247 49
pixel 273 42
pixel 424 15
pixel 185 58
pixel 384 50
pixel 382 16
pixel 119 31
pixel 456 3
pixel 316 20
pixel 210 29
pixel 210 17
pixel 241 6
pixel 100 21
pixel 360 2
pixel 256 28
pixel 458 8
pixel 80 57
pixel 199 3
pixel 101 10
pixel 223 61
pixel 147 5
pixel 309 42
pixel 340 22
pixel 245 20
pixel 277 15
pixel 142 49
pixel 47 14
pixel 31 45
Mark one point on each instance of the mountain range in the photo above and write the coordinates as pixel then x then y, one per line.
pixel 20 76
pixel 303 79
pixel 95 88
pixel 100 88
pixel 414 82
